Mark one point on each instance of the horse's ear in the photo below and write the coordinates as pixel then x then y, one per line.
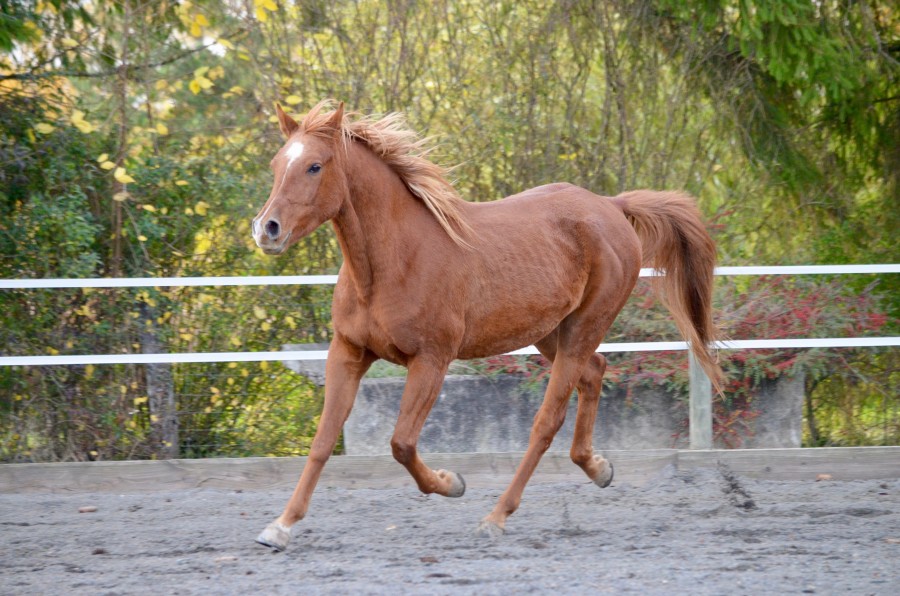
pixel 336 122
pixel 288 125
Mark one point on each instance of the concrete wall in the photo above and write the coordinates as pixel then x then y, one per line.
pixel 494 414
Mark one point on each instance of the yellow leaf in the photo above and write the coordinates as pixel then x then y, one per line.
pixel 140 400
pixel 84 126
pixel 121 176
pixel 264 365
pixel 194 86
pixel 103 158
pixel 88 371
pixel 266 326
pixel 196 30
pixel 259 312
pixel 149 208
pixel 225 43
pixel 201 20
pixel 181 183
pixel 204 82
pixel 235 341
pixel 69 42
pixel 107 165
pixel 290 322
pixel 269 5
pixel 186 336
pixel 293 99
pixel 120 196
pixel 52 351
pixel 44 128
pixel 142 238
pixel 162 128
pixel 201 72
pixel 237 90
pixel 161 84
pixel 261 15
pixel 200 207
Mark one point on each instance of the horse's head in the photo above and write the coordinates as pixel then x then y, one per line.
pixel 309 186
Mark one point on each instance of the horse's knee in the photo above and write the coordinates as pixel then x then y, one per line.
pixel 403 451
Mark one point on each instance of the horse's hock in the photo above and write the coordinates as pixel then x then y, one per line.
pixel 494 414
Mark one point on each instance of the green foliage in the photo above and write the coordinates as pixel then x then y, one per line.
pixel 135 138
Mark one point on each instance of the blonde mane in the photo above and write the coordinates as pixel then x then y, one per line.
pixel 405 152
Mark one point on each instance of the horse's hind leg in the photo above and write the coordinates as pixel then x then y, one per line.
pixel 564 375
pixel 597 468
pixel 589 386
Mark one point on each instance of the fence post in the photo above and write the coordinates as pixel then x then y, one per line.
pixel 700 406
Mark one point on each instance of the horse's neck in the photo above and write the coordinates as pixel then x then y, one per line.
pixel 356 259
pixel 377 222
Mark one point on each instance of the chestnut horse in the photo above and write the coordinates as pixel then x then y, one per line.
pixel 428 278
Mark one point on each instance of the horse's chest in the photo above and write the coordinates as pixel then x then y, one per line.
pixel 394 331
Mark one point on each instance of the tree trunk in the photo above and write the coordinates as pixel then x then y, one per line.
pixel 160 392
pixel 814 438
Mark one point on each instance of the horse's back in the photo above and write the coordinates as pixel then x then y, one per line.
pixel 538 255
pixel 554 218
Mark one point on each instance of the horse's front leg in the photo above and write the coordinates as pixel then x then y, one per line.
pixel 344 368
pixel 423 385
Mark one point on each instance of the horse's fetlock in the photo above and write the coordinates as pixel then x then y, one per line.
pixel 581 456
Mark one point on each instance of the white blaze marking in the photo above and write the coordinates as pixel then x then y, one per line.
pixel 293 152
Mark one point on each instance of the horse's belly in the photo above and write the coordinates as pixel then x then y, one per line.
pixel 501 330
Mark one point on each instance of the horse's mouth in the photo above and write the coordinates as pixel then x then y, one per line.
pixel 276 249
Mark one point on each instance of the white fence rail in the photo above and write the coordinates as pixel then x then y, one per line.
pixel 205 357
pixel 700 393
pixel 309 280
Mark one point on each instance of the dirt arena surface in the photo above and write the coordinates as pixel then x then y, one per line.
pixel 698 531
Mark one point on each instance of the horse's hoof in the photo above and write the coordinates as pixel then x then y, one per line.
pixel 275 536
pixel 489 529
pixel 605 476
pixel 457 483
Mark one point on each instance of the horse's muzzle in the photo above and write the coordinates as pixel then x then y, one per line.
pixel 269 236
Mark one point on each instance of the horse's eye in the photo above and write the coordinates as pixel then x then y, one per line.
pixel 314 169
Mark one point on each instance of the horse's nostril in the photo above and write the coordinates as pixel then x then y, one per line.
pixel 273 230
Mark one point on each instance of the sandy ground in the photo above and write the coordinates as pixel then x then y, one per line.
pixel 697 532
